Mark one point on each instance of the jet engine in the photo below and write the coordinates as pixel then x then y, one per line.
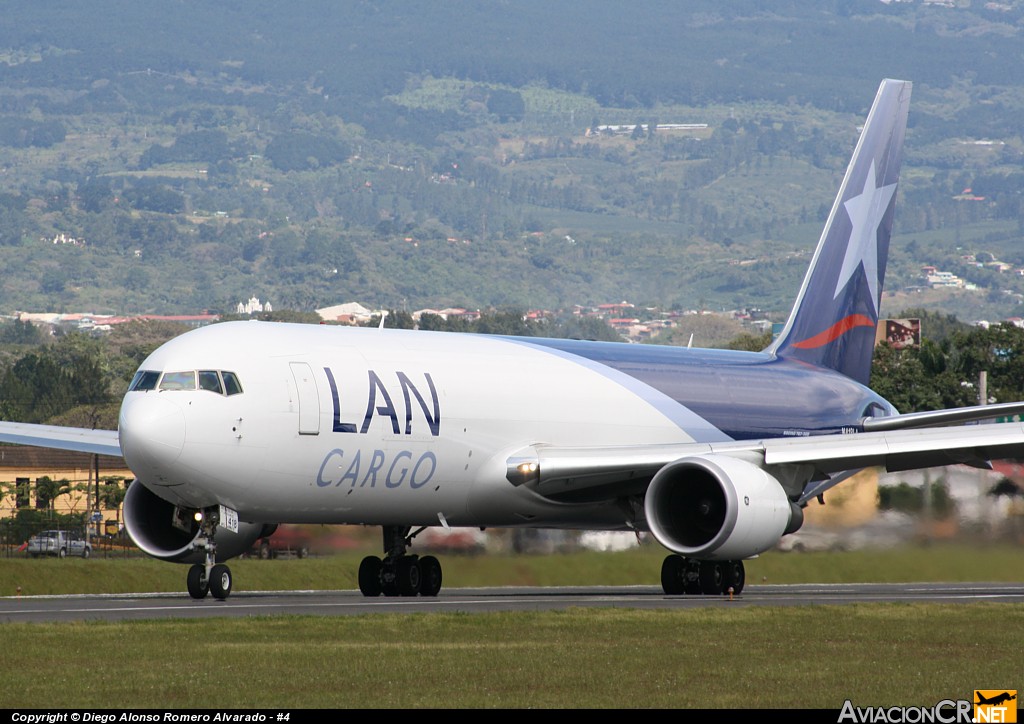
pixel 167 531
pixel 715 507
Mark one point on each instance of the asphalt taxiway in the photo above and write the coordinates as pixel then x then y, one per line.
pixel 137 606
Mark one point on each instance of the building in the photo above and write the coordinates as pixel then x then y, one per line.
pixel 253 306
pixel 350 313
pixel 23 467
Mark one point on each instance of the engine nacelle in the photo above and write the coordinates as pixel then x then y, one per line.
pixel 715 507
pixel 166 531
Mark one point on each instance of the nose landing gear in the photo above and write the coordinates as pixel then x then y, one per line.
pixel 209 577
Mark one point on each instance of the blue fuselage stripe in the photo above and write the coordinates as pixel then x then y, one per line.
pixel 696 426
pixel 719 395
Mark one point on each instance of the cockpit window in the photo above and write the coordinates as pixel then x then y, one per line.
pixel 231 383
pixel 210 380
pixel 144 380
pixel 222 383
pixel 875 410
pixel 178 381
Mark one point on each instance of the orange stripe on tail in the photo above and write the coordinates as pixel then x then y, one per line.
pixel 837 330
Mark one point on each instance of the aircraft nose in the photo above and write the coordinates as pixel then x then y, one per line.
pixel 152 433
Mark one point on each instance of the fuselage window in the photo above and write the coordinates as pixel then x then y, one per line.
pixel 178 381
pixel 144 380
pixel 210 380
pixel 231 383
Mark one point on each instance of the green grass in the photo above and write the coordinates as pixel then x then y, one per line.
pixel 938 562
pixel 755 657
pixel 800 657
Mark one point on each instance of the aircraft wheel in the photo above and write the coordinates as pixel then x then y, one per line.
pixel 265 551
pixel 710 578
pixel 734 575
pixel 430 576
pixel 220 581
pixel 673 571
pixel 389 581
pixel 691 577
pixel 407 572
pixel 369 577
pixel 198 586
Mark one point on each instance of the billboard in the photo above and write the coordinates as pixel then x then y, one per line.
pixel 899 333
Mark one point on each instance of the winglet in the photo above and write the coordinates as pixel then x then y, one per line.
pixel 835 314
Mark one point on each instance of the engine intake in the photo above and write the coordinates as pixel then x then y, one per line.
pixel 714 507
pixel 166 531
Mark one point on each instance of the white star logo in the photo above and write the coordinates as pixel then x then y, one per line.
pixel 866 212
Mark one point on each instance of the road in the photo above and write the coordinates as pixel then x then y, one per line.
pixel 122 607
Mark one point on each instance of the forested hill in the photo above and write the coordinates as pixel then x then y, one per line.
pixel 827 54
pixel 186 155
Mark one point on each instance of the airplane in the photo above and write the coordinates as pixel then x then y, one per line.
pixel 996 700
pixel 234 428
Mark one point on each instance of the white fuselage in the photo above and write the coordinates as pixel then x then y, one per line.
pixel 377 426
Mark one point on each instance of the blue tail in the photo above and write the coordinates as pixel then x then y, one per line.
pixel 834 318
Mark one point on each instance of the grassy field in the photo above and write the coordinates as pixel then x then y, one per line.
pixel 802 657
pixel 115 574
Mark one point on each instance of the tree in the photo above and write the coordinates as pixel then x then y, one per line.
pixel 751 342
pixel 302 151
pixel 278 315
pixel 509 322
pixel 34 389
pixel 910 499
pixel 577 327
pixel 899 376
pixel 506 105
pixel 19 332
pixel 393 320
pixel 997 350
pixel 708 330
pixel 47 490
pixel 112 492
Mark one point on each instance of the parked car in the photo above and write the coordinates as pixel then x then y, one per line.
pixel 286 540
pixel 57 543
pixel 469 541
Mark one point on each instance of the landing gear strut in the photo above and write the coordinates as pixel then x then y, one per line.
pixel 399 574
pixel 711 578
pixel 209 577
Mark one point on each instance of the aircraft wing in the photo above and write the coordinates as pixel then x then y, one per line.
pixel 613 471
pixel 951 416
pixel 901 449
pixel 78 439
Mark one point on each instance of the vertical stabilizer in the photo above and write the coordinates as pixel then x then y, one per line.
pixel 834 318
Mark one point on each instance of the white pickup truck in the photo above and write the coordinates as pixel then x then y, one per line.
pixel 57 543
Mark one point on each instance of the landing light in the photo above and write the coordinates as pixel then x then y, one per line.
pixel 523 469
pixel 198 516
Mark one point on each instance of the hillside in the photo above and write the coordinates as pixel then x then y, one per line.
pixel 186 156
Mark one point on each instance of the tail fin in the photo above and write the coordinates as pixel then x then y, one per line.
pixel 834 317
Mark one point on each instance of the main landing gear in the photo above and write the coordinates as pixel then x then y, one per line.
pixel 711 578
pixel 209 577
pixel 399 574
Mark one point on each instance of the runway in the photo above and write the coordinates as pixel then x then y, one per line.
pixel 138 606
